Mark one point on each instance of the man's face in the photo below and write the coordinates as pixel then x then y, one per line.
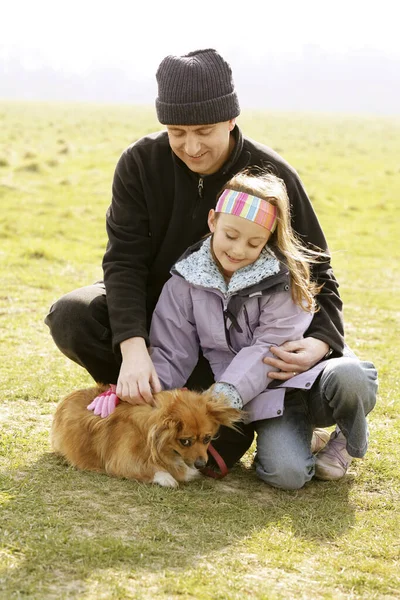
pixel 203 148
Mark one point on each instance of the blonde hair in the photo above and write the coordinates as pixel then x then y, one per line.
pixel 295 254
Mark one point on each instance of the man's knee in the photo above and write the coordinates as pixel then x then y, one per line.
pixel 64 318
pixel 352 372
pixel 354 379
pixel 70 317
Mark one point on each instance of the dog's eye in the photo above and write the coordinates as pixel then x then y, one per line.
pixel 186 442
pixel 206 439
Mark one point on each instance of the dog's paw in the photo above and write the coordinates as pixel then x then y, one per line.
pixel 191 474
pixel 165 479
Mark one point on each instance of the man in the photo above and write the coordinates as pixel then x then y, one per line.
pixel 163 189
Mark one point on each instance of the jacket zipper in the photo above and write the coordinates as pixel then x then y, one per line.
pixel 228 315
pixel 200 186
pixel 246 316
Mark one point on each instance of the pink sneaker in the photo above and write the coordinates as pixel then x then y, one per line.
pixel 333 461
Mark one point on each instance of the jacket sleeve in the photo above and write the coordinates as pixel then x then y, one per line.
pixel 327 324
pixel 174 344
pixel 127 257
pixel 281 320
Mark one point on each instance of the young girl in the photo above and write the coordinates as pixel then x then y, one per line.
pixel 235 294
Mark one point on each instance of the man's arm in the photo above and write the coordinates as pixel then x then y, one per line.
pixel 127 258
pixel 327 324
pixel 326 332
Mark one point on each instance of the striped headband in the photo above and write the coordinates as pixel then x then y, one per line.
pixel 248 207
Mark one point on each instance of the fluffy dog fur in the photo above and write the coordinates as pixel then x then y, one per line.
pixel 164 444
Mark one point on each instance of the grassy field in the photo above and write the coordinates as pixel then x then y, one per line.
pixel 69 534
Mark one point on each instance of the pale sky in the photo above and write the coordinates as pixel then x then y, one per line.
pixel 75 34
pixel 82 37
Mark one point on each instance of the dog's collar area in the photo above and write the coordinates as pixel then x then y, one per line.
pixel 220 462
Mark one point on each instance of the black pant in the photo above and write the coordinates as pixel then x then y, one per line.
pixel 80 327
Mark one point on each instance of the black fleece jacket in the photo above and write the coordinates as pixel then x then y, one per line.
pixel 159 208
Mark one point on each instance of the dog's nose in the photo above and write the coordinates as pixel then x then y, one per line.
pixel 199 463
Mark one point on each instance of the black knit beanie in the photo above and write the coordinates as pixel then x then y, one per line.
pixel 195 89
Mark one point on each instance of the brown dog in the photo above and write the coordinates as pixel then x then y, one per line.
pixel 164 444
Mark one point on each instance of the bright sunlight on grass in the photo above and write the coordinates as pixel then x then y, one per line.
pixel 70 534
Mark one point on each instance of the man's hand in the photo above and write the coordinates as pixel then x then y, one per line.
pixel 137 379
pixel 292 358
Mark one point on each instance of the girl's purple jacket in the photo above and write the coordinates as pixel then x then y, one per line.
pixel 234 324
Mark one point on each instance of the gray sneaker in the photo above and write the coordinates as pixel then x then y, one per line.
pixel 333 461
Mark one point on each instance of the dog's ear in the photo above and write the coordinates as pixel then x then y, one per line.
pixel 169 414
pixel 159 436
pixel 166 426
pixel 219 410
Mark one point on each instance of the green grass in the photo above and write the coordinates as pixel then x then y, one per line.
pixel 69 534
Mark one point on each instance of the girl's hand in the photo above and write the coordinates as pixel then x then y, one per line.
pixel 137 379
pixel 292 358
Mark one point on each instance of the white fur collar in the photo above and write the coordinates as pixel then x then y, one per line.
pixel 200 269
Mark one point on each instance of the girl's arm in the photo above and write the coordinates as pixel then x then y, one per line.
pixel 173 337
pixel 281 320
